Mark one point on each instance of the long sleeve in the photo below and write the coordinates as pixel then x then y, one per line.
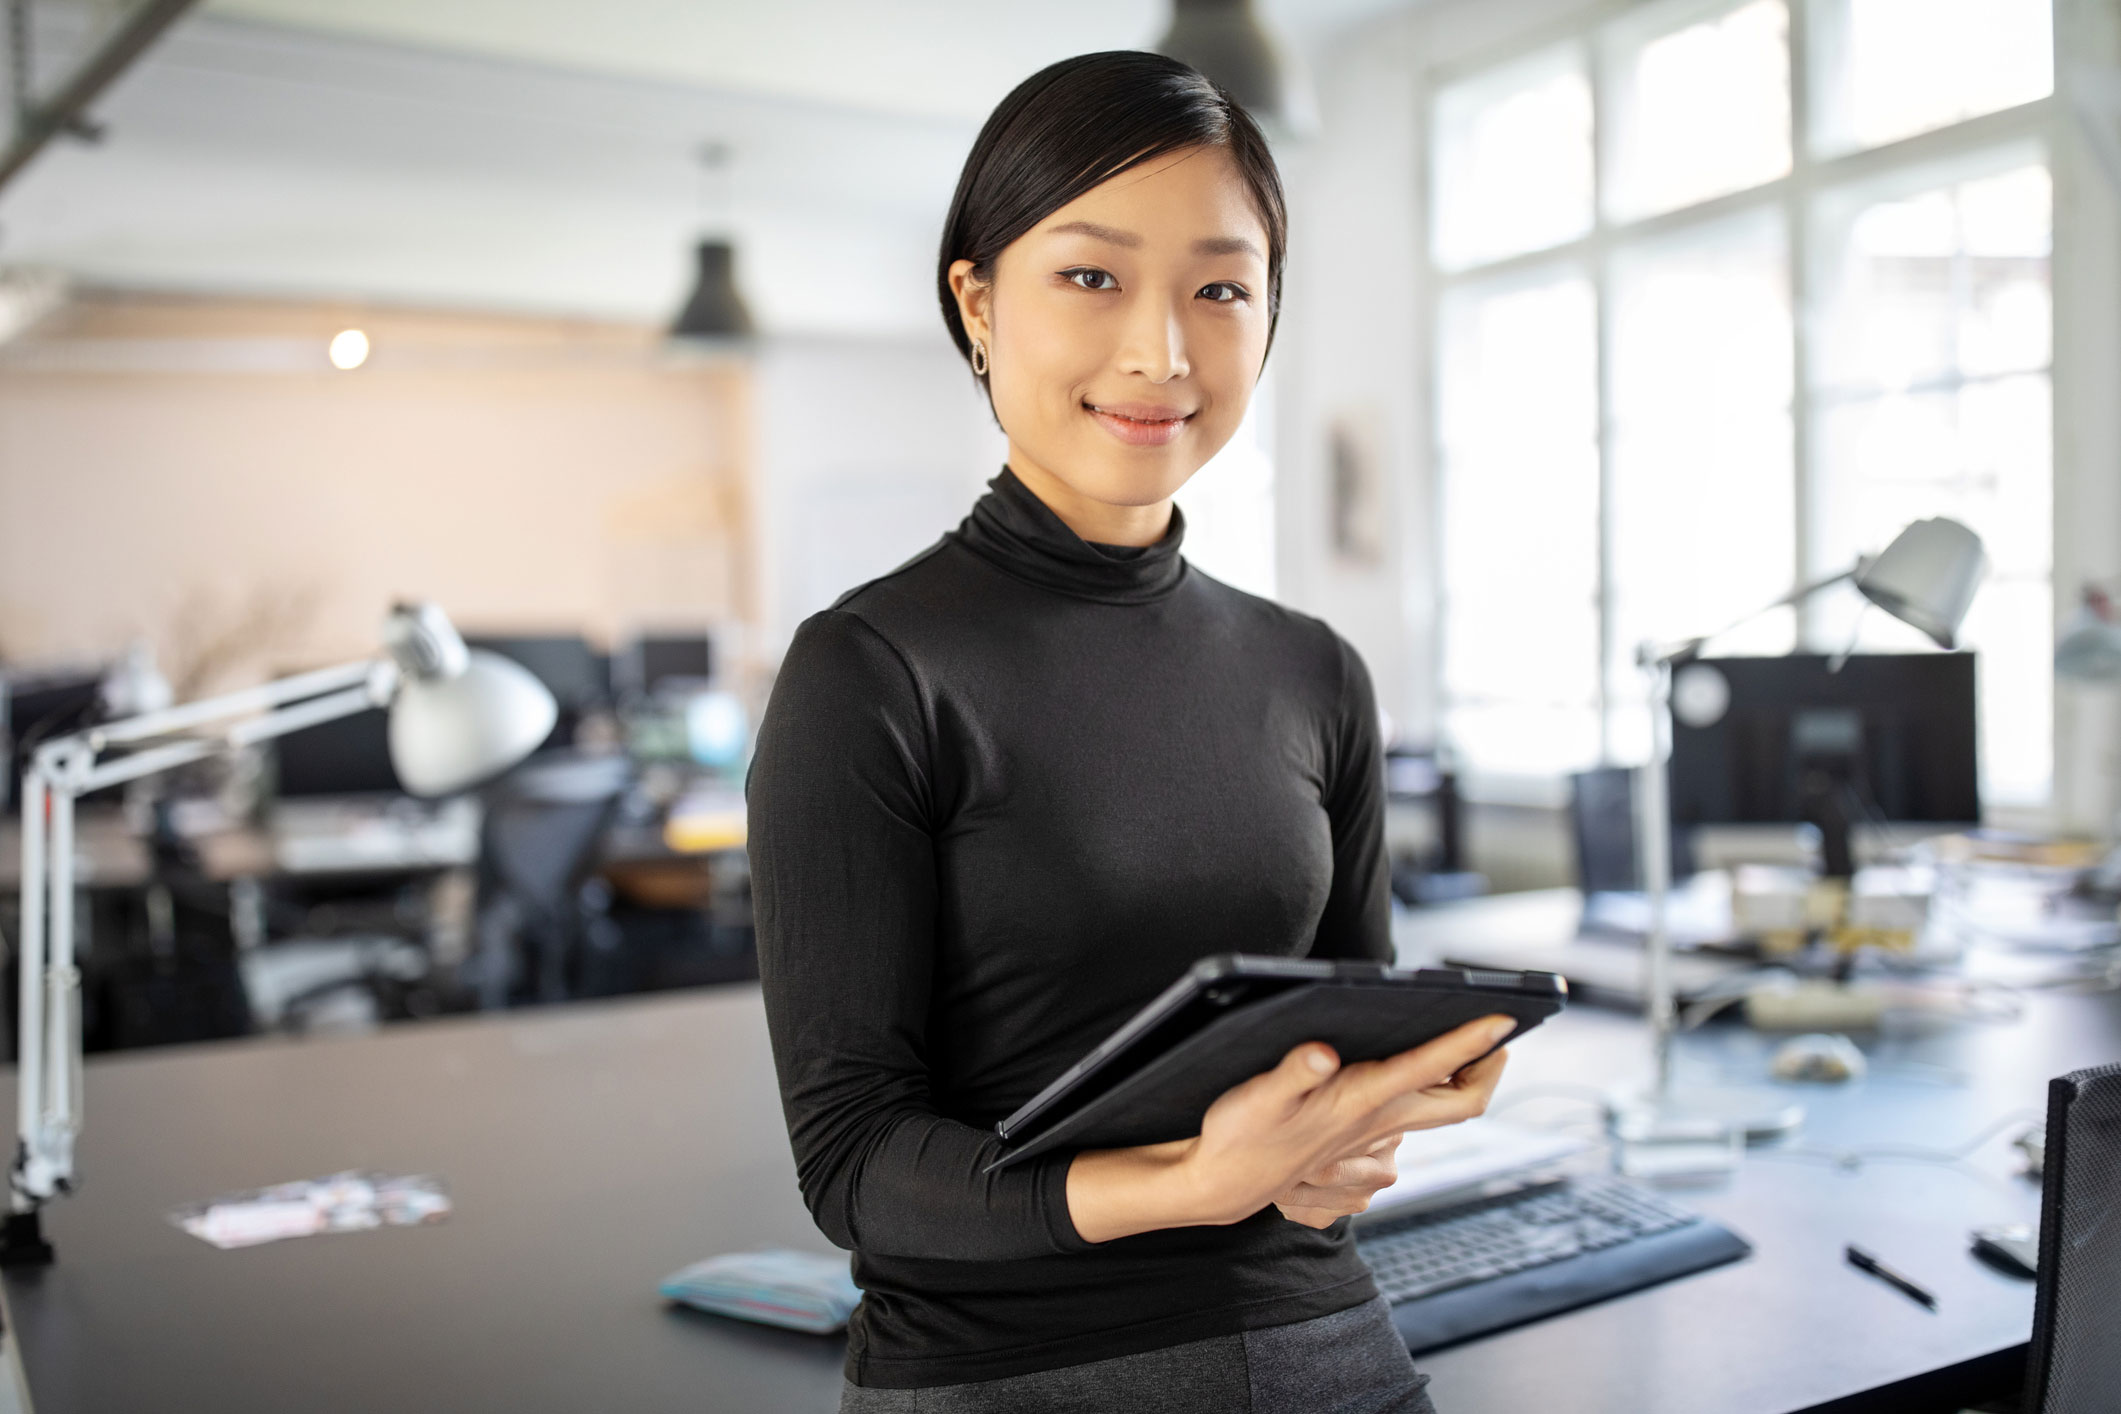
pixel 845 893
pixel 1357 921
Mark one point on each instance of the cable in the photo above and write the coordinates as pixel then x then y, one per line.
pixel 1852 1160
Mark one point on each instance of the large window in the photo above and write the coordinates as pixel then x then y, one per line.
pixel 1699 338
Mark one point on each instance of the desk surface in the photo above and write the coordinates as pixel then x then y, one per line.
pixel 593 1149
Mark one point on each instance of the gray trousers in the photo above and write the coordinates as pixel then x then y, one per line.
pixel 1351 1362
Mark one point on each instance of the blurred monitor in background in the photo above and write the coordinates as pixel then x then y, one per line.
pixel 348 757
pixel 654 660
pixel 34 707
pixel 1887 738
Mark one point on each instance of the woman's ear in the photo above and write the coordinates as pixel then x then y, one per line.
pixel 974 296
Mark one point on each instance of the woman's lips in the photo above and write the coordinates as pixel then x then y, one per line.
pixel 1141 427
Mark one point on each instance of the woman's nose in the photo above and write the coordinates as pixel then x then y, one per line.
pixel 1155 344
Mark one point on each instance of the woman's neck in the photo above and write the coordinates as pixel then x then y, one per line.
pixel 1099 522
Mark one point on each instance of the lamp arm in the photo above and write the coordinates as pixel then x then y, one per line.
pixel 240 703
pixel 1671 654
pixel 58 774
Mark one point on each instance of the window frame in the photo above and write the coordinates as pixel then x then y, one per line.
pixel 2038 124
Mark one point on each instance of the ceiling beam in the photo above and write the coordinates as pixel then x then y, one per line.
pixel 35 123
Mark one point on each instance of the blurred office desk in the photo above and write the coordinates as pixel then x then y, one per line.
pixel 1793 1327
pixel 590 1150
pixel 594 1148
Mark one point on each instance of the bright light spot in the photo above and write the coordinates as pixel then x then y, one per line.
pixel 349 349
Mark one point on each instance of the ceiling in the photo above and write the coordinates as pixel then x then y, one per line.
pixel 939 58
pixel 541 155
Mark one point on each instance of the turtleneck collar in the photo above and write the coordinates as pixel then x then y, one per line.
pixel 1014 529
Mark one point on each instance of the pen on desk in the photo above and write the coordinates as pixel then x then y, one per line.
pixel 1864 1261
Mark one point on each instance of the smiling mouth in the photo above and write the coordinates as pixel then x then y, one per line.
pixel 1140 427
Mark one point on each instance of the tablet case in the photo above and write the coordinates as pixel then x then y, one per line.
pixel 1166 1098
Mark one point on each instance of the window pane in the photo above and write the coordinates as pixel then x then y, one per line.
pixel 1229 503
pixel 1935 284
pixel 1699 104
pixel 1981 454
pixel 1517 406
pixel 1887 69
pixel 1704 506
pixel 1512 158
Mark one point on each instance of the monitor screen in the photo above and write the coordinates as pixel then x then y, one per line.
pixel 38 708
pixel 659 660
pixel 350 756
pixel 1899 728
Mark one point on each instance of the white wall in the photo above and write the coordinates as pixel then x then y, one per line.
pixel 867 451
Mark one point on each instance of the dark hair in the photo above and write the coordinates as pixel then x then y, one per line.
pixel 1077 123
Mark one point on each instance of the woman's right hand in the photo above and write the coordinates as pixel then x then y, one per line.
pixel 1267 1140
pixel 1317 1136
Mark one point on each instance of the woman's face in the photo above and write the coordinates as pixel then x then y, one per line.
pixel 1125 331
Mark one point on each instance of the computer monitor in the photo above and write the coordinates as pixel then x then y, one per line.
pixel 34 708
pixel 1888 738
pixel 654 659
pixel 350 756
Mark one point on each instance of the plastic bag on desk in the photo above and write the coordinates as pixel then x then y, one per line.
pixel 355 1201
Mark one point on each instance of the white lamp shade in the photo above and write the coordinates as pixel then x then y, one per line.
pixel 2089 651
pixel 1927 577
pixel 450 733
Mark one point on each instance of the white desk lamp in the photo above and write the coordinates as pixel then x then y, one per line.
pixel 2089 652
pixel 2089 649
pixel 1927 578
pixel 457 717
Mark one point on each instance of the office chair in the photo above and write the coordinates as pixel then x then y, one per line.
pixel 536 845
pixel 2073 1365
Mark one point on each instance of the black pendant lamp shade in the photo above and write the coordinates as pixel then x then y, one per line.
pixel 1225 41
pixel 715 310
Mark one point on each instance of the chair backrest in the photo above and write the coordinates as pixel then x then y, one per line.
pixel 2074 1363
pixel 542 822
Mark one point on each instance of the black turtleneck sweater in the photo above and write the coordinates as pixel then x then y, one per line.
pixel 1002 797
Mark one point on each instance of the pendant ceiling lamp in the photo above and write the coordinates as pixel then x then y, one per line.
pixel 715 310
pixel 1225 40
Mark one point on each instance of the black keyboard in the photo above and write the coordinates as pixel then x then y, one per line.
pixel 1456 1272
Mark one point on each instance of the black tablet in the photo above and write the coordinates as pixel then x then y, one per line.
pixel 1235 1015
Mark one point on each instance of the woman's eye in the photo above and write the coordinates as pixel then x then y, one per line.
pixel 1088 278
pixel 1223 292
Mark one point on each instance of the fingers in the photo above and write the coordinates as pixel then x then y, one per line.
pixel 1427 1065
pixel 1312 1217
pixel 1462 1097
pixel 1370 1171
pixel 1301 1071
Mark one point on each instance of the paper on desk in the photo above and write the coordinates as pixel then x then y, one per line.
pixel 1433 1161
pixel 355 1201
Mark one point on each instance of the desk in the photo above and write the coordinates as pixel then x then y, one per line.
pixel 594 1148
pixel 1793 1327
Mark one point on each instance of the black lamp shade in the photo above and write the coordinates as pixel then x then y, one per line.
pixel 714 310
pixel 1225 41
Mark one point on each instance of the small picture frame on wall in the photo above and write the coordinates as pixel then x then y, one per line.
pixel 1355 488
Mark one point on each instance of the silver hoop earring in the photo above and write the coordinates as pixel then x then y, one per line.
pixel 979 359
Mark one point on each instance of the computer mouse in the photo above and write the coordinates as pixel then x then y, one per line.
pixel 1818 1058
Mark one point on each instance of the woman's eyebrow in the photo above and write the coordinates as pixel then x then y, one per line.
pixel 1111 234
pixel 1206 245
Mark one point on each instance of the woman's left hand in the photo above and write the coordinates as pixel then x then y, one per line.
pixel 1343 1187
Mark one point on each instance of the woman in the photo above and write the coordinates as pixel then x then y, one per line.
pixel 1008 792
